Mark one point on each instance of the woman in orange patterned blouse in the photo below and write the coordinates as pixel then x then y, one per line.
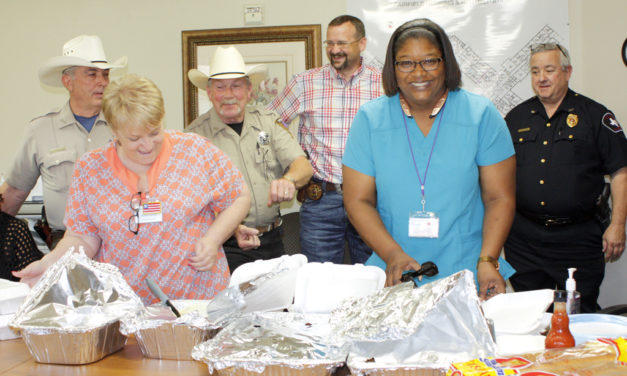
pixel 154 203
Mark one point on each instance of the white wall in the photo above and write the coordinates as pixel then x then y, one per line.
pixel 597 31
pixel 149 33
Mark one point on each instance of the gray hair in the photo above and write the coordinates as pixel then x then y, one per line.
pixel 70 71
pixel 542 47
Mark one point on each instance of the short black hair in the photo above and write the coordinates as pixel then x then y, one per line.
pixel 420 28
pixel 359 26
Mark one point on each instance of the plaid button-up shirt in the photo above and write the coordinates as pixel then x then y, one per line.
pixel 326 104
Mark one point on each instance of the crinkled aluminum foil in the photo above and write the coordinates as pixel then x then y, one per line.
pixel 72 314
pixel 193 314
pixel 160 334
pixel 76 294
pixel 259 340
pixel 432 325
pixel 267 292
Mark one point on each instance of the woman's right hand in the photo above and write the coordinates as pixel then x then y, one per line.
pixel 247 237
pixel 31 273
pixel 397 263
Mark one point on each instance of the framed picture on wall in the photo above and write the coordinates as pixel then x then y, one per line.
pixel 286 50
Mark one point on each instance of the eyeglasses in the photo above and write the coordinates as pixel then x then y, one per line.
pixel 539 47
pixel 408 66
pixel 133 220
pixel 340 44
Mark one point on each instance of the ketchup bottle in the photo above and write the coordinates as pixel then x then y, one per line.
pixel 559 336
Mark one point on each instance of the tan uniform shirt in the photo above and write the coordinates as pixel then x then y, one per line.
pixel 260 159
pixel 52 144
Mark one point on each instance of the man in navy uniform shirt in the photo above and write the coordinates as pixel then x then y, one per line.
pixel 565 145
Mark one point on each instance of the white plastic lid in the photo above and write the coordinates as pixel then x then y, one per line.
pixel 571 285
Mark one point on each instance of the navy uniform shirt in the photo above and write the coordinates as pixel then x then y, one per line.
pixel 561 161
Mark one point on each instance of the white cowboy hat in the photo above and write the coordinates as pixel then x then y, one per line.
pixel 226 63
pixel 83 51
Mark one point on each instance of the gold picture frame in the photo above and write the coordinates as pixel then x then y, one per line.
pixel 286 50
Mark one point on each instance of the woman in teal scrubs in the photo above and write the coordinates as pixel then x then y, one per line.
pixel 429 168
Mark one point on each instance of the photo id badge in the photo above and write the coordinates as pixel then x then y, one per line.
pixel 150 212
pixel 423 225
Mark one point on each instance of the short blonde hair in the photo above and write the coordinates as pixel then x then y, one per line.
pixel 133 101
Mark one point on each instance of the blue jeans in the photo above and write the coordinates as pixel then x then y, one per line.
pixel 324 228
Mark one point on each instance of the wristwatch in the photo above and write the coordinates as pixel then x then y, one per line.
pixel 489 259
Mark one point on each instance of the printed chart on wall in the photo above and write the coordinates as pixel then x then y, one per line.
pixel 491 38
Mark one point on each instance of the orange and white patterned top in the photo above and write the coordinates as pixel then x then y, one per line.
pixel 191 178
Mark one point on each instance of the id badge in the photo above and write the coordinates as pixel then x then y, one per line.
pixel 423 225
pixel 150 212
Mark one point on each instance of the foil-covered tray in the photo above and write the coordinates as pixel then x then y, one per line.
pixel 273 343
pixel 162 335
pixel 61 347
pixel 71 316
pixel 402 326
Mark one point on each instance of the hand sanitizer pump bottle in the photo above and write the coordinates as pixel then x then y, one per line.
pixel 573 298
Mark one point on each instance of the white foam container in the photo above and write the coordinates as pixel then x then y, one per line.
pixel 252 270
pixel 5 331
pixel 274 294
pixel 518 312
pixel 12 294
pixel 320 287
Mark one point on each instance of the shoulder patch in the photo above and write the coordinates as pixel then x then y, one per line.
pixel 609 121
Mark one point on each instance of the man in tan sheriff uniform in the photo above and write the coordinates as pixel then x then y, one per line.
pixel 55 140
pixel 270 159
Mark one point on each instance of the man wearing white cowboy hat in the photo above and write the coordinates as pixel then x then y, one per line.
pixel 271 161
pixel 55 140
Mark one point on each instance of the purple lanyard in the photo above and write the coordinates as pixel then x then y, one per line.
pixel 411 150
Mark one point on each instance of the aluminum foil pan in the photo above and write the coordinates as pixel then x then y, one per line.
pixel 273 343
pixel 162 335
pixel 429 326
pixel 72 314
pixel 88 346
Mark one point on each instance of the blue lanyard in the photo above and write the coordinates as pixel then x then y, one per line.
pixel 411 150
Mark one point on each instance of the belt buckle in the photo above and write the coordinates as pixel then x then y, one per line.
pixel 314 191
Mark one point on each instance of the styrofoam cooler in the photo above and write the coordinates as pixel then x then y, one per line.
pixel 320 287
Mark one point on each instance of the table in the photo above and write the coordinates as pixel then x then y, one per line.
pixel 15 360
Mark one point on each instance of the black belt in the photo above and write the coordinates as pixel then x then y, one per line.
pixel 550 221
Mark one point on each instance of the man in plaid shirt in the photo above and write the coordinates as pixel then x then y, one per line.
pixel 327 99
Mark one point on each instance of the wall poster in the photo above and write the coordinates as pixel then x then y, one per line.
pixel 491 38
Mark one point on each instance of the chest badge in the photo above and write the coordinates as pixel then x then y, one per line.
pixel 263 138
pixel 572 120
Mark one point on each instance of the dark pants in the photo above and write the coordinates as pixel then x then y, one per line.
pixel 542 255
pixel 271 247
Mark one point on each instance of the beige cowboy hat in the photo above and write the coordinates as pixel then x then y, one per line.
pixel 82 51
pixel 226 63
